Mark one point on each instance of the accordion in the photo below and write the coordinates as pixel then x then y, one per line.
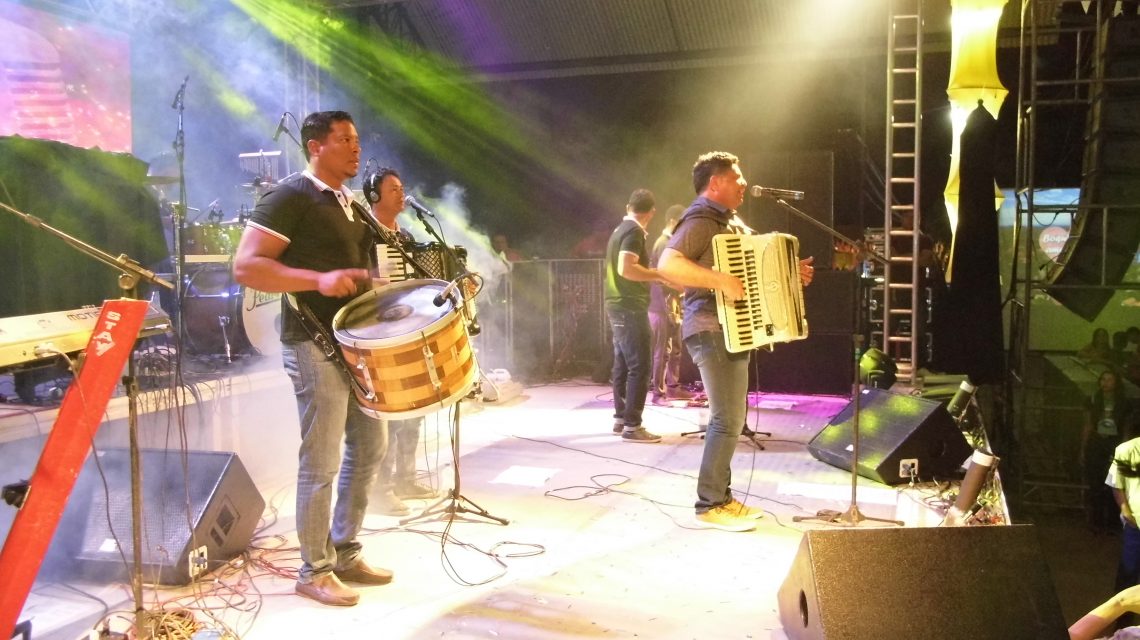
pixel 430 255
pixel 772 309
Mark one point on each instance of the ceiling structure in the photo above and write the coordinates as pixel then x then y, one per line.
pixel 519 39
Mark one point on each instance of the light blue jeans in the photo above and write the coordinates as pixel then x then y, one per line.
pixel 329 413
pixel 399 463
pixel 725 376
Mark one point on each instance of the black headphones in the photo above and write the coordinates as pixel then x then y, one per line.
pixel 371 187
pixel 373 181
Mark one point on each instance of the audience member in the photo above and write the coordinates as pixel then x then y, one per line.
pixel 1133 344
pixel 1107 423
pixel 594 244
pixel 1099 350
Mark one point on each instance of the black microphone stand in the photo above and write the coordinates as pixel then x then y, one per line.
pixel 454 502
pixel 179 213
pixel 473 327
pixel 130 273
pixel 852 516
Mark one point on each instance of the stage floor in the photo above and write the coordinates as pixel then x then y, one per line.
pixel 601 541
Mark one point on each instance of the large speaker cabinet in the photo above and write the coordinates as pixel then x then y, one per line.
pixel 946 583
pixel 210 503
pixel 823 362
pixel 1106 234
pixel 893 427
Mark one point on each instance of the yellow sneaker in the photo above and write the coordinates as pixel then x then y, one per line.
pixel 743 510
pixel 724 519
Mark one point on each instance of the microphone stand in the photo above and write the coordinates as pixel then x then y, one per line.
pixel 179 213
pixel 130 273
pixel 473 327
pixel 454 502
pixel 852 516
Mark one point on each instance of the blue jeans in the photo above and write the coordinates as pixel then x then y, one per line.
pixel 1128 571
pixel 399 463
pixel 632 355
pixel 725 376
pixel 329 413
pixel 666 353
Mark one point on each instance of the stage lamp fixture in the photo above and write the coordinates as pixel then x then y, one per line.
pixel 877 370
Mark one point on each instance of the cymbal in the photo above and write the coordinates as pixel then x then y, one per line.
pixel 258 183
pixel 161 180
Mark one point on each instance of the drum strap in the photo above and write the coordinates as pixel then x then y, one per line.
pixel 324 341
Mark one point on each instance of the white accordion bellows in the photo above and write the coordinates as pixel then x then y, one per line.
pixel 772 309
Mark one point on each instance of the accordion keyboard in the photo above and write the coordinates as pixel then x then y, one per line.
pixel 772 309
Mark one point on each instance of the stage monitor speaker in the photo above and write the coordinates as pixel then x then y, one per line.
pixel 894 427
pixel 211 503
pixel 986 582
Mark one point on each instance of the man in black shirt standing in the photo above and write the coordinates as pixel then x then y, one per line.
pixel 627 307
pixel 309 239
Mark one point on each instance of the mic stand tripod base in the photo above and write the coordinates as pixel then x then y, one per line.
pixel 454 504
pixel 851 518
pixel 744 433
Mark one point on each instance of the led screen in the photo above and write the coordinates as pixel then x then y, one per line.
pixel 63 79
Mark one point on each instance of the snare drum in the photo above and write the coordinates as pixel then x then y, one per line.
pixel 218 311
pixel 413 357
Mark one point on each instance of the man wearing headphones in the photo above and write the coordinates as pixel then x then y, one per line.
pixel 384 192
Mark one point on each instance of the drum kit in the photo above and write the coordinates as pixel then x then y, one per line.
pixel 219 317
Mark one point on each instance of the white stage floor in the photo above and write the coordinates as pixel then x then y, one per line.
pixel 601 541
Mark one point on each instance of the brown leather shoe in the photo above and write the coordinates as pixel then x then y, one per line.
pixel 363 573
pixel 328 589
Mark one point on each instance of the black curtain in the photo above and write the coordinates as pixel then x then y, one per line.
pixel 967 319
pixel 99 197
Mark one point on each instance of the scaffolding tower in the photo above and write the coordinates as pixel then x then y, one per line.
pixel 1046 473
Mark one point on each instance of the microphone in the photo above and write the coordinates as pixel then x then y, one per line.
pixel 181 93
pixel 448 290
pixel 957 406
pixel 280 126
pixel 413 203
pixel 760 192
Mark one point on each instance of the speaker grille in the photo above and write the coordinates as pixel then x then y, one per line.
pixel 933 583
pixel 893 427
pixel 212 503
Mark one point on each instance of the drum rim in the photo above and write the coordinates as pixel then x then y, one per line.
pixel 358 343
